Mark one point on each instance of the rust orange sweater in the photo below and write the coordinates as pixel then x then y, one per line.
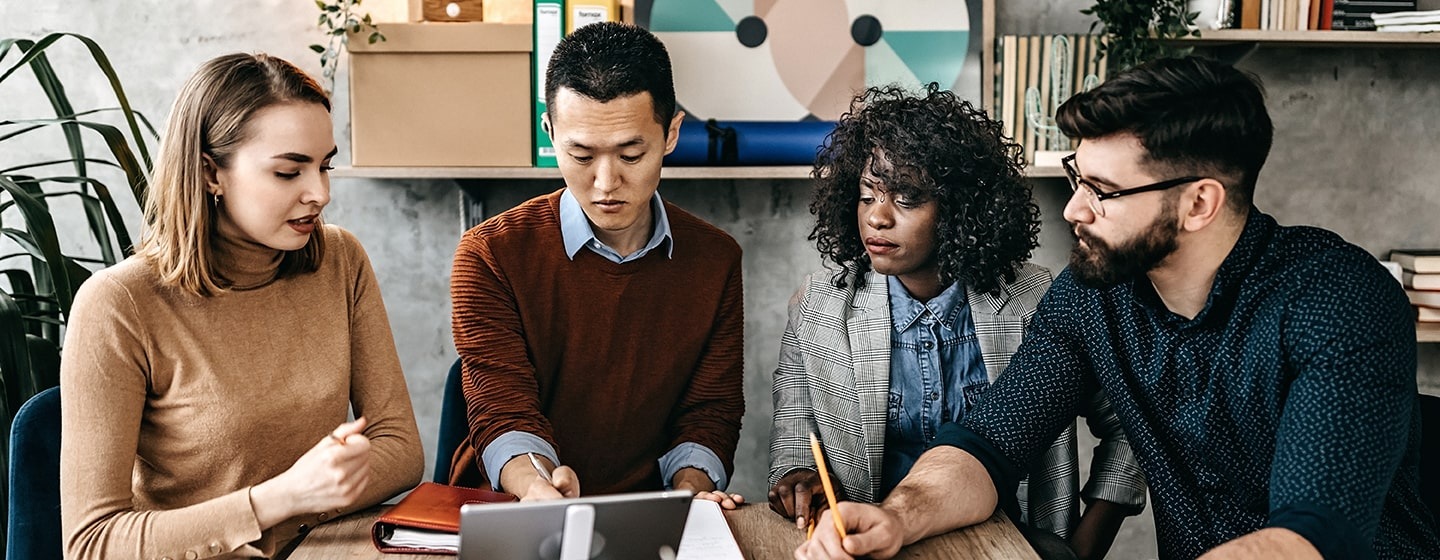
pixel 613 364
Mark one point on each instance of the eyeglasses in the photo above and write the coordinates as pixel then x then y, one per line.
pixel 1094 196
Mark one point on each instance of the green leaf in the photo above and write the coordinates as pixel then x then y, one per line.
pixel 374 37
pixel 107 202
pixel 318 49
pixel 319 4
pixel 45 242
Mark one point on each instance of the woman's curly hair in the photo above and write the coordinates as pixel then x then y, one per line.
pixel 940 148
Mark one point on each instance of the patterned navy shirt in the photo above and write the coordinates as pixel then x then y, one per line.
pixel 1289 401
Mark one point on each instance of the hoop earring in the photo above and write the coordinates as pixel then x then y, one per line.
pixel 217 198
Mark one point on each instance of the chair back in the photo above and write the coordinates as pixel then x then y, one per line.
pixel 34 524
pixel 1430 453
pixel 453 426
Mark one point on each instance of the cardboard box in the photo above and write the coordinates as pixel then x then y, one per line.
pixel 441 94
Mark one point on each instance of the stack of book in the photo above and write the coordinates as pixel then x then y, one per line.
pixel 1421 276
pixel 1024 62
pixel 1407 21
pixel 1302 15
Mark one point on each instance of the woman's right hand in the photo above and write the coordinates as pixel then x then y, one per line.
pixel 800 495
pixel 331 475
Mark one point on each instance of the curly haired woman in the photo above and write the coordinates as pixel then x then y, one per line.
pixel 924 217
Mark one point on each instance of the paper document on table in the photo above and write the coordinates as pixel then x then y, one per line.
pixel 707 536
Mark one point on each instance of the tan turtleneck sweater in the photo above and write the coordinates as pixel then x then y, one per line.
pixel 174 405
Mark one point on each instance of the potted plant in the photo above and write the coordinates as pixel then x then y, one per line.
pixel 1137 30
pixel 338 20
pixel 41 278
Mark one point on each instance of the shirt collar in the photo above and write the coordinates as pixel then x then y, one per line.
pixel 576 230
pixel 1254 239
pixel 905 310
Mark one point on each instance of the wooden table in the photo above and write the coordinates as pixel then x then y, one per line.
pixel 762 536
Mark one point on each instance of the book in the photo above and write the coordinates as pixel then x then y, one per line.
pixel 1421 281
pixel 427 521
pixel 1432 16
pixel 1409 27
pixel 1424 261
pixel 1427 315
pixel 1424 298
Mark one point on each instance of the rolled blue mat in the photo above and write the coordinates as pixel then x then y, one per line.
pixel 721 143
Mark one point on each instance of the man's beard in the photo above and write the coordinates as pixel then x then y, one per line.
pixel 1099 265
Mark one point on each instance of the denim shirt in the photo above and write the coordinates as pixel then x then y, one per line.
pixel 936 373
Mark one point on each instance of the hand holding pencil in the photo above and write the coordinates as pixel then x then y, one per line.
pixel 829 489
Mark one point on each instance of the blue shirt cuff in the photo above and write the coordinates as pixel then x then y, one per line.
pixel 691 454
pixel 510 445
pixel 1327 530
pixel 1003 473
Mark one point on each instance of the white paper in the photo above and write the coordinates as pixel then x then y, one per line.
pixel 420 538
pixel 707 536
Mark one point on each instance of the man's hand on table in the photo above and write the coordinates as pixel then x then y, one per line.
pixel 698 482
pixel 519 477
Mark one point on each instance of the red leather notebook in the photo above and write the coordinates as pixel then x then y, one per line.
pixel 431 507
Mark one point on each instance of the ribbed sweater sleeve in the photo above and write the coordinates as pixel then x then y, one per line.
pixel 498 378
pixel 710 412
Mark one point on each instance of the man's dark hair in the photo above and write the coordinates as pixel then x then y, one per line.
pixel 940 148
pixel 609 60
pixel 1193 115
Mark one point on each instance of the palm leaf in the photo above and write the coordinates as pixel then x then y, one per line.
pixel 118 147
pixel 34 51
pixel 42 233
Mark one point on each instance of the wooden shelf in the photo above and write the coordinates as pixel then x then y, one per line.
pixel 1039 172
pixel 1427 332
pixel 771 172
pixel 1220 37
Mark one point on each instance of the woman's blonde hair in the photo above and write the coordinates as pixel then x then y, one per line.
pixel 209 118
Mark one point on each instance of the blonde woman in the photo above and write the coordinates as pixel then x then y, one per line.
pixel 207 380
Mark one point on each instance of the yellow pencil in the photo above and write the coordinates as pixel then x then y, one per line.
pixel 810 530
pixel 825 481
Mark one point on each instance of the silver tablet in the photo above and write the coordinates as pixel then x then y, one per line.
pixel 637 526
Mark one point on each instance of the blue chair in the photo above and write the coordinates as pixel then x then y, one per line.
pixel 34 527
pixel 453 425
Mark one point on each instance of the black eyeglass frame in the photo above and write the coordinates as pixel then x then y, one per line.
pixel 1068 164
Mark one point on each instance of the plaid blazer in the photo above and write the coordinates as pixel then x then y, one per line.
pixel 834 379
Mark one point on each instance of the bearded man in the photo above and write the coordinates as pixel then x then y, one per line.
pixel 1265 375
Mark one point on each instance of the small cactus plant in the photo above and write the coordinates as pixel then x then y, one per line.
pixel 1062 60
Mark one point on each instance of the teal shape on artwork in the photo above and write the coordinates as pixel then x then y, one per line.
pixel 667 16
pixel 883 66
pixel 934 56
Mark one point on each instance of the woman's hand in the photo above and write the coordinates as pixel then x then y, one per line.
pixel 330 476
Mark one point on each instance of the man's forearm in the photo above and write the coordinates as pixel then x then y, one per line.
pixel 1271 543
pixel 946 489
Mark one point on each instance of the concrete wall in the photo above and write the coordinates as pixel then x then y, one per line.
pixel 1356 129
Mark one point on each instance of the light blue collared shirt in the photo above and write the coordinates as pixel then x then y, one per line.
pixel 577 233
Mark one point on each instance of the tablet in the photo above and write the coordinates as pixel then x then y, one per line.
pixel 636 526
